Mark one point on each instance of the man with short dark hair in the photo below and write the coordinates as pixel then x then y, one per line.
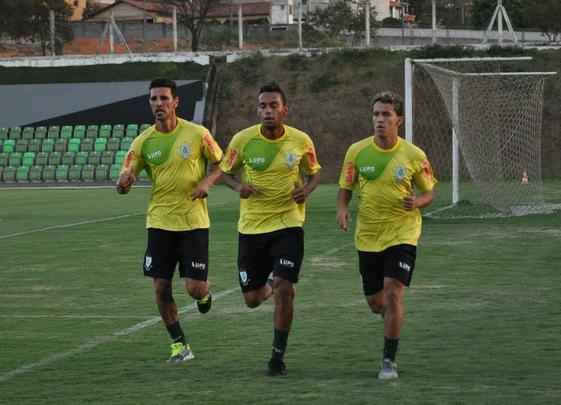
pixel 175 153
pixel 272 158
pixel 387 171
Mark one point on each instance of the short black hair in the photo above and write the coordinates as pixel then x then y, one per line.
pixel 162 82
pixel 273 87
pixel 389 97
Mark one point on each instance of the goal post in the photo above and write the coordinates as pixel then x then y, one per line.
pixel 479 120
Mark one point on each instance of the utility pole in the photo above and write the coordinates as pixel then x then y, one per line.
pixel 52 31
pixel 433 22
pixel 367 23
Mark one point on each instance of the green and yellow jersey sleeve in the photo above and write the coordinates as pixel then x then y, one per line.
pixel 383 178
pixel 175 162
pixel 274 168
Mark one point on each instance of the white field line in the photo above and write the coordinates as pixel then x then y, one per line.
pixel 99 341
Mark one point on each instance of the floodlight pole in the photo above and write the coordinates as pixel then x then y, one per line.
pixel 433 22
pixel 300 46
pixel 366 22
pixel 240 26
pixel 174 28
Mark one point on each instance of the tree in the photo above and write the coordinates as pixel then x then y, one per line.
pixel 545 15
pixel 483 11
pixel 91 8
pixel 193 14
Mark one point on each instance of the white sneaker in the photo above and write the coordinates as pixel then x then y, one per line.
pixel 388 370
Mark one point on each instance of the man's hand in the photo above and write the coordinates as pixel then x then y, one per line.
pixel 201 191
pixel 410 202
pixel 126 180
pixel 299 194
pixel 245 190
pixel 343 218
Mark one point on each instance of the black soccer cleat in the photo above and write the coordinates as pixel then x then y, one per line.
pixel 204 304
pixel 276 368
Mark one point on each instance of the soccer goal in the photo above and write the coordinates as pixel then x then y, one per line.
pixel 480 121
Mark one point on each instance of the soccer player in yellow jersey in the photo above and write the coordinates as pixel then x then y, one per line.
pixel 272 159
pixel 394 180
pixel 175 153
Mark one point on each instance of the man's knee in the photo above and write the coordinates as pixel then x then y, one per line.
pixel 376 303
pixel 196 289
pixel 251 299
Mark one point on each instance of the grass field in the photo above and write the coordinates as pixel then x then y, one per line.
pixel 78 323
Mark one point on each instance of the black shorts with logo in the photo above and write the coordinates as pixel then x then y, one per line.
pixel 167 249
pixel 280 252
pixel 396 262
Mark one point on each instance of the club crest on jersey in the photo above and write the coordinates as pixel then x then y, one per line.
pixel 185 151
pixel 148 263
pixel 290 159
pixel 400 174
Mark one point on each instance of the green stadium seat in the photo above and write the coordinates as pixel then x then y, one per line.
pixel 9 146
pixel 36 174
pixel 88 173
pixel 79 131
pixel 48 145
pixel 4 133
pixel 126 143
pixel 81 158
pixel 34 145
pixel 21 145
pixel 40 132
pixel 60 145
pixel 15 133
pixel 22 174
pixel 3 159
pixel 1 145
pixel 114 171
pixel 101 173
pixel 120 157
pixel 55 158
pixel 74 145
pixel 61 174
pixel 100 144
pixel 68 158
pixel 87 145
pixel 54 132
pixel 144 127
pixel 9 174
pixel 66 132
pixel 28 133
pixel 107 158
pixel 92 131
pixel 41 158
pixel 15 159
pixel 118 131
pixel 105 131
pixel 114 144
pixel 94 158
pixel 1 172
pixel 28 159
pixel 75 173
pixel 131 131
pixel 49 174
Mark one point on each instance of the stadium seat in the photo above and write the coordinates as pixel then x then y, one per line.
pixel 107 158
pixel 41 158
pixel 61 174
pixel 92 131
pixel 94 158
pixel 105 131
pixel 68 158
pixel 87 145
pixel 100 144
pixel 4 133
pixel 15 133
pixel 21 145
pixel 114 171
pixel 22 174
pixel 114 144
pixel 101 173
pixel 54 131
pixel 34 145
pixel 40 132
pixel 74 145
pixel 1 145
pixel 118 131
pixel 9 174
pixel 9 146
pixel 60 145
pixel 131 131
pixel 126 143
pixel 55 158
pixel 28 159
pixel 88 173
pixel 3 159
pixel 48 145
pixel 144 127
pixel 49 173
pixel 81 158
pixel 15 159
pixel 35 174
pixel 79 131
pixel 28 133
pixel 75 173
pixel 120 157
pixel 66 132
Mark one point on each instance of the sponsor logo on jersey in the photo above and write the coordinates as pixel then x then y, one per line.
pixel 129 160
pixel 349 173
pixel 198 266
pixel 231 158
pixel 243 277
pixel 290 159
pixel 311 155
pixel 185 151
pixel 148 263
pixel 210 144
pixel 400 174
pixel 257 160
pixel 286 263
pixel 154 155
pixel 404 266
pixel 367 169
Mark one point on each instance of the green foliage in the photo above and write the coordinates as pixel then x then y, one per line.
pixel 193 15
pixel 545 15
pixel 323 82
pixel 391 22
pixel 295 62
pixel 438 51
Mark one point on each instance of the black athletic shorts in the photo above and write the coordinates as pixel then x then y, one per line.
pixel 166 249
pixel 396 262
pixel 280 252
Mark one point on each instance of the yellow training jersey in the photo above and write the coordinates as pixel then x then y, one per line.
pixel 384 177
pixel 175 162
pixel 274 169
